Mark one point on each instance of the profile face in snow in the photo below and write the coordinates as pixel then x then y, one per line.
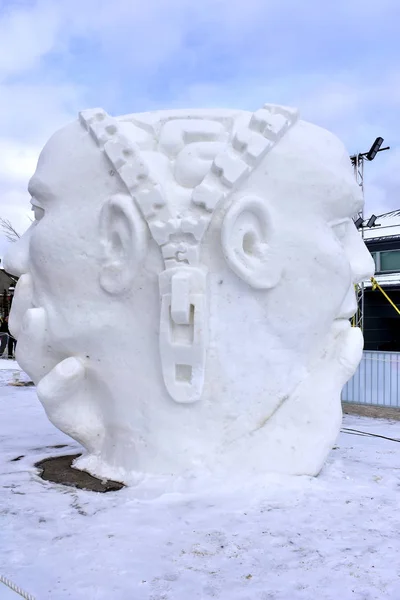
pixel 186 286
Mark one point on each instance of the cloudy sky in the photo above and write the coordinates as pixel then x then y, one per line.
pixel 337 60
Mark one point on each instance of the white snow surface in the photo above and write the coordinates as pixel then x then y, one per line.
pixel 9 365
pixel 327 538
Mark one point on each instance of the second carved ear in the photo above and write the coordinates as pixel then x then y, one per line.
pixel 249 238
pixel 123 236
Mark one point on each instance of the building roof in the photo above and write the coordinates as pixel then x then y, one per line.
pixel 387 225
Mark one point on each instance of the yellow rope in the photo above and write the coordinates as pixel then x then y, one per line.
pixel 375 285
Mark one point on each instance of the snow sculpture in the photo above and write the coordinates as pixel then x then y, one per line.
pixel 185 290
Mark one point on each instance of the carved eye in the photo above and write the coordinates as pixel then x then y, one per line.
pixel 37 210
pixel 340 229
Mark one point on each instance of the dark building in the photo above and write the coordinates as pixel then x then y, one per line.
pixel 381 321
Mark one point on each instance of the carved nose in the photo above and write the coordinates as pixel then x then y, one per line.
pixel 16 260
pixel 362 264
pixel 361 261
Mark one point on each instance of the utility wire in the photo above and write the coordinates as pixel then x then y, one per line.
pixel 368 434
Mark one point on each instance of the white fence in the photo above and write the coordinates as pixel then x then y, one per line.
pixel 376 381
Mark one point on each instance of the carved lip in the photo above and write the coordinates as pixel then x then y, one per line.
pixel 348 308
pixel 341 323
pixel 345 316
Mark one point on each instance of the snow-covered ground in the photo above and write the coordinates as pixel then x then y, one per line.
pixel 335 537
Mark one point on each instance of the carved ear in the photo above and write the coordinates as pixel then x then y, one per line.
pixel 123 237
pixel 247 242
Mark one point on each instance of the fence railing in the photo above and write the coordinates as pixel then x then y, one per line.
pixel 376 381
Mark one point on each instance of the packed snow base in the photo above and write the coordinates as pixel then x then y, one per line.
pixel 334 536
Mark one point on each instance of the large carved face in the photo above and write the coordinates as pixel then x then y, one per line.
pixel 176 258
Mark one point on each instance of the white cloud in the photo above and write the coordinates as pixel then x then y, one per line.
pixel 382 178
pixel 33 112
pixel 27 33
pixel 59 56
pixel 18 161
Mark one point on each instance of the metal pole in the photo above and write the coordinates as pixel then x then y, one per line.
pixel 361 170
pixel 358 165
pixel 359 175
